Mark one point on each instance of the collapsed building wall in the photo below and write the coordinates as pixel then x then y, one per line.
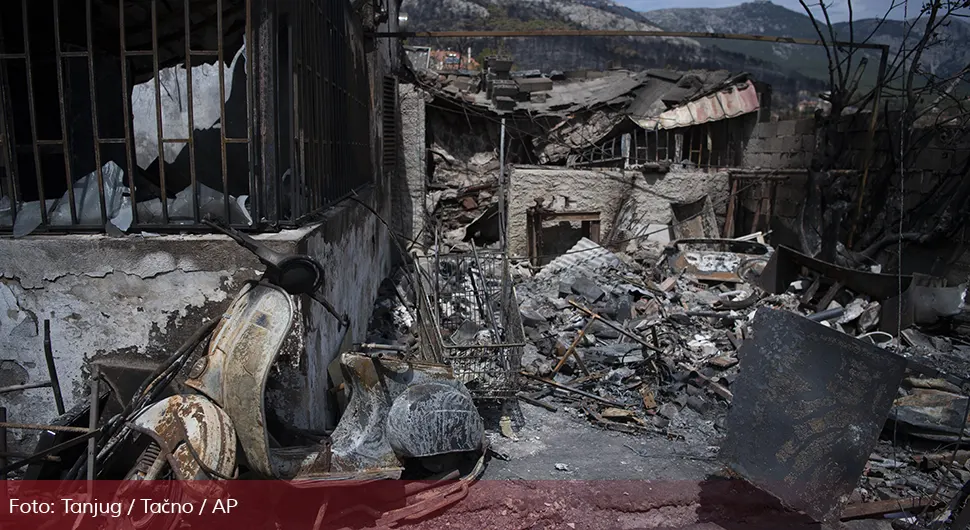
pixel 649 197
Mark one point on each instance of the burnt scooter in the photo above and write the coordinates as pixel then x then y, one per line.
pixel 399 413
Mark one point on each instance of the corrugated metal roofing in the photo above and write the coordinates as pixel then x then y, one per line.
pixel 585 255
pixel 734 101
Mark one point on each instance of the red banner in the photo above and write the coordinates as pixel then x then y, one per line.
pixel 166 505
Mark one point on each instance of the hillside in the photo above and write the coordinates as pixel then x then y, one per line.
pixel 764 17
pixel 567 53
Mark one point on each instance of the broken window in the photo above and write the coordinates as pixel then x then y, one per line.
pixel 260 115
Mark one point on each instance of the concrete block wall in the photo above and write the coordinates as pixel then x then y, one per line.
pixel 605 191
pixel 780 145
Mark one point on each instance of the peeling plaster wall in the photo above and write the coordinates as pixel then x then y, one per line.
pixel 605 191
pixel 354 248
pixel 106 297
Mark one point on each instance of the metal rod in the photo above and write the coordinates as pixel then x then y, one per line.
pixel 38 171
pixel 7 454
pixel 190 107
pixel 573 390
pixel 96 133
pixel 50 451
pixel 28 386
pixel 93 419
pixel 572 350
pixel 537 402
pixel 620 33
pixel 42 427
pixel 501 186
pixel 63 111
pixel 158 114
pixel 255 208
pixel 222 109
pixel 616 327
pixel 3 448
pixel 52 369
pixel 126 104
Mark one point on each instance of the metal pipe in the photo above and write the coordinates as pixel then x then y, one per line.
pixel 93 419
pixel 51 369
pixel 620 33
pixel 28 386
pixel 828 314
pixel 42 427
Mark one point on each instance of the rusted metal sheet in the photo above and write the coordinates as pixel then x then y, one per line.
pixel 234 371
pixel 786 263
pixel 723 260
pixel 808 408
pixel 179 420
pixel 731 102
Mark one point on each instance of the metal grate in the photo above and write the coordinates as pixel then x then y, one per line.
pixel 470 320
pixel 331 149
pixel 389 146
pixel 261 110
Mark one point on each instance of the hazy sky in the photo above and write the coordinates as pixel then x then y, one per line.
pixel 838 10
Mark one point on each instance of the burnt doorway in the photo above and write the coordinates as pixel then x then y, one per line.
pixel 553 233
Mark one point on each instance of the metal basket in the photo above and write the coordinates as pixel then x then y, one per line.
pixel 469 319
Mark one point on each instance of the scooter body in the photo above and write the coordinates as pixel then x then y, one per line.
pixel 397 410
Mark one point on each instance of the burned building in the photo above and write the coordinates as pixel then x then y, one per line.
pixel 268 117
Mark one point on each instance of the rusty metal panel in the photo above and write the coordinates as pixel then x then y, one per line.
pixel 808 408
pixel 732 102
pixel 197 421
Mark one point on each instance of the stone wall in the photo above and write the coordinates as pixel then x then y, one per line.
pixel 780 145
pixel 607 191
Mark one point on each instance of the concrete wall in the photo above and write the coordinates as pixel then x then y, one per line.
pixel 410 211
pixel 126 298
pixel 605 191
pixel 780 145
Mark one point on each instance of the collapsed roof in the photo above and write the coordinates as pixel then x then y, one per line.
pixel 653 98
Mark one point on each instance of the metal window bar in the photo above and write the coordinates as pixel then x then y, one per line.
pixel 711 146
pixel 326 100
pixel 469 319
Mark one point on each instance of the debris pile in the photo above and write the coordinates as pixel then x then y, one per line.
pixel 653 348
pixel 462 197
